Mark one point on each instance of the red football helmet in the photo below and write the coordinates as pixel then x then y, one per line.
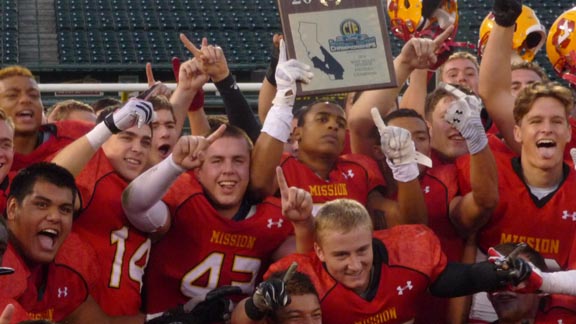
pixel 424 18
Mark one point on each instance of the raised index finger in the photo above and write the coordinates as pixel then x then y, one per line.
pixel 190 46
pixel 444 36
pixel 282 184
pixel 150 74
pixel 216 134
pixel 377 118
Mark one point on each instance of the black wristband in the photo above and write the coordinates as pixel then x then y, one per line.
pixel 109 122
pixel 252 311
pixel 227 83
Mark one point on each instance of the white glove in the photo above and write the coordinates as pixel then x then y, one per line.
pixel 287 73
pixel 401 155
pixel 464 115
pixel 397 145
pixel 573 155
pixel 278 122
pixel 134 112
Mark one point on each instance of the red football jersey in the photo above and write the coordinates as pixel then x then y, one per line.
pixel 440 186
pixel 559 309
pixel 203 250
pixel 19 312
pixel 58 136
pixel 122 250
pixel 547 225
pixel 66 285
pixel 409 258
pixel 354 176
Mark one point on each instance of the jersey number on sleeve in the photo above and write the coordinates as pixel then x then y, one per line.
pixel 137 262
pixel 212 266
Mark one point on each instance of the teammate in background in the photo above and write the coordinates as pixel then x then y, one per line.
pixel 461 68
pixel 71 110
pixel 33 142
pixel 444 200
pixel 6 155
pixel 209 208
pixel 512 307
pixel 319 167
pixel 269 302
pixel 104 161
pixel 103 103
pixel 54 270
pixel 355 269
pixel 165 133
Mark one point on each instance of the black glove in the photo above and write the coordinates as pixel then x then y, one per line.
pixel 506 12
pixel 216 307
pixel 268 296
pixel 511 269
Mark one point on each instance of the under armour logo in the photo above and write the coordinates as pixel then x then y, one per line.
pixel 401 289
pixel 567 216
pixel 271 223
pixel 62 292
pixel 349 174
pixel 427 189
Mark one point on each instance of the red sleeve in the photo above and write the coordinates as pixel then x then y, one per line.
pixel 375 178
pixel 415 247
pixel 81 257
pixel 15 284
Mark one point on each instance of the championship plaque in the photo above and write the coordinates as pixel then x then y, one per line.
pixel 345 41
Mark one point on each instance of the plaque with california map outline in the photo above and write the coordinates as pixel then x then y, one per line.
pixel 344 41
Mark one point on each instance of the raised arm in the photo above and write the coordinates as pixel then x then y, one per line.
pixel 212 61
pixel 142 202
pixel 77 154
pixel 402 158
pixel 415 95
pixel 416 53
pixel 189 93
pixel 277 125
pixel 473 210
pixel 268 89
pixel 495 70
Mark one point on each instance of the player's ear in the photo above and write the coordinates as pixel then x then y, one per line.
pixel 319 252
pixel 297 134
pixel 517 133
pixel 11 206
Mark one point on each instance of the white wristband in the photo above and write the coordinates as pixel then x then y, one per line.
pixel 562 282
pixel 98 135
pixel 404 172
pixel 278 123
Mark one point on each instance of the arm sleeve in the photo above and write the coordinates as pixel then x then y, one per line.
pixel 141 200
pixel 237 108
pixel 562 282
pixel 459 279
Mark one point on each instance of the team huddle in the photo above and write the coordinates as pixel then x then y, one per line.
pixel 446 206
